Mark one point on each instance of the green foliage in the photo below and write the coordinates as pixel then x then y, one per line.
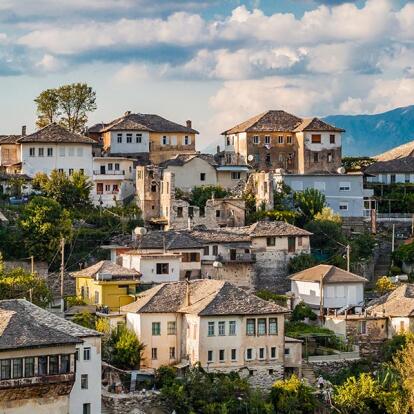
pixel 16 185
pixel 355 369
pixel 405 253
pixel 68 105
pixel 293 396
pixel 165 376
pixel 85 319
pixel 43 223
pixel 17 283
pixel 302 311
pixel 327 214
pixel 74 301
pixel 301 262
pixel 282 197
pixel 326 235
pixel 200 195
pixel 384 285
pixel 274 297
pixel 309 203
pixel 362 246
pixel 356 163
pixel 390 348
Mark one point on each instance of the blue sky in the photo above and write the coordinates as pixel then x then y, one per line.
pixel 215 62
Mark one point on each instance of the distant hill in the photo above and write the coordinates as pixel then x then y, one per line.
pixel 374 134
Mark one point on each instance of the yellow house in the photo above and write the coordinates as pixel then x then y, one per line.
pixel 107 284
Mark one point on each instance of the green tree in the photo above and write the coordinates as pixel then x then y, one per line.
pixel 85 319
pixel 393 345
pixel 67 104
pixel 302 311
pixel 327 214
pixel 126 349
pixel 309 202
pixel 200 195
pixel 301 262
pixel 293 396
pixel 43 223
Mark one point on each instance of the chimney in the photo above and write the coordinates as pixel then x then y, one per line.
pixel 218 149
pixel 127 113
pixel 189 123
pixel 23 130
pixel 187 292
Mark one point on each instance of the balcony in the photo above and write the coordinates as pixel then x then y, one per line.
pixel 38 380
pixel 108 175
pixel 237 258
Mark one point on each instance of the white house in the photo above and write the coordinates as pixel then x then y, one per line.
pixel 113 180
pixel 396 171
pixel 328 287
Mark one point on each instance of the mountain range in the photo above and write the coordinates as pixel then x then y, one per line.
pixel 368 135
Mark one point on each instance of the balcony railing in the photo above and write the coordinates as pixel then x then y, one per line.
pixel 41 380
pixel 109 172
pixel 237 258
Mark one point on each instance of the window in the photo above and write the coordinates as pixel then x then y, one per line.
pixel 163 268
pixel 300 241
pixel 210 329
pixel 202 211
pixel 222 328
pixel 29 364
pixel 138 138
pixel 71 151
pixel 80 151
pixel 273 352
pixel 164 140
pixel 315 157
pixel 406 178
pixel 261 353
pixel 215 250
pixel 82 171
pixel 64 364
pixel 267 139
pixel 154 188
pixel 363 327
pixel 110 166
pixel 50 152
pixel 218 213
pixel 261 326
pixel 280 139
pixel 18 368
pixel 332 139
pixel 330 157
pixel 221 355
pixel 61 151
pixel 249 354
pixel 268 159
pixel 86 354
pixel 234 354
pixel 287 351
pixel 70 171
pixel 107 187
pixel 316 139
pixel 209 356
pixel 281 157
pixel 206 251
pixel 77 355
pixel 271 241
pixel 5 369
pixel 291 244
pixel 86 408
pixel 154 353
pixel 202 176
pixel 116 166
pixel 251 327
pixel 156 328
pixel 392 178
pixel 128 138
pixel 53 365
pixel 84 381
pixel 256 139
pixel 41 152
pixel 171 328
pixel 42 365
pixel 232 328
pixel 272 326
pixel 344 186
pixel 187 140
pixel 343 206
pixel 61 170
pixel 190 257
pixel 172 352
pixel 32 152
pixel 119 138
pixel 235 176
pixel 191 212
pixel 402 326
pixel 289 139
pixel 96 297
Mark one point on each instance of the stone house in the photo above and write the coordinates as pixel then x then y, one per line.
pixel 324 287
pixel 47 364
pixel 213 323
pixel 277 139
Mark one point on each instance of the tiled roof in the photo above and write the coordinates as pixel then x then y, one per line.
pixel 107 267
pixel 398 165
pixel 147 122
pixel 329 274
pixel 24 325
pixel 171 240
pixel 207 298
pixel 281 121
pixel 182 159
pixel 276 228
pixel 399 302
pixel 55 133
pixel 405 150
pixel 97 127
pixel 9 139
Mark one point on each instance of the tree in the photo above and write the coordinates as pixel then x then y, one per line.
pixel 200 195
pixel 43 223
pixel 393 345
pixel 384 285
pixel 85 319
pixel 302 311
pixel 301 262
pixel 309 202
pixel 293 396
pixel 327 214
pixel 68 104
pixel 126 349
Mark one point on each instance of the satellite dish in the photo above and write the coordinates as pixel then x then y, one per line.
pixel 140 231
pixel 250 158
pixel 341 170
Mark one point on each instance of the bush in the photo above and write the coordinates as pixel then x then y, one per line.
pixel 393 345
pixel 85 319
pixel 302 311
pixel 126 349
pixel 384 285
pixel 301 262
pixel 200 195
pixel 164 376
pixel 273 297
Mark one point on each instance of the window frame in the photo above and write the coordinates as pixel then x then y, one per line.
pixel 250 322
pixel 156 328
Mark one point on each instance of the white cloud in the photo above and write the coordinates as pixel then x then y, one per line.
pixel 352 106
pixel 49 63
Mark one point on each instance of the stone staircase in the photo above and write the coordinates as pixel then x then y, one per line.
pixel 308 373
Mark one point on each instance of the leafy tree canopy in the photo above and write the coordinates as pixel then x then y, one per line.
pixel 302 311
pixel 327 214
pixel 309 203
pixel 301 262
pixel 384 285
pixel 200 195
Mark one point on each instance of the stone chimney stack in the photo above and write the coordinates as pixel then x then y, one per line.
pixel 23 130
pixel 189 123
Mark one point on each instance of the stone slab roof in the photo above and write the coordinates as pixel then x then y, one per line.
pixel 398 165
pixel 405 150
pixel 206 298
pixel 54 133
pixel 182 159
pixel 399 302
pixel 146 122
pixel 329 274
pixel 280 121
pixel 106 266
pixel 9 139
pixel 24 325
pixel 171 240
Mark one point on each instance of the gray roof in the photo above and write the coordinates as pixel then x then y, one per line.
pixel 206 298
pixel 398 165
pixel 55 133
pixel 404 150
pixel 9 139
pixel 146 122
pixel 106 266
pixel 182 159
pixel 399 302
pixel 171 240
pixel 24 325
pixel 327 273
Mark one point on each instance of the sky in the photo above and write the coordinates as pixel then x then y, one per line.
pixel 216 62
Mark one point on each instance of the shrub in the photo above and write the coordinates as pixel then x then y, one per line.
pixel 301 262
pixel 384 285
pixel 302 311
pixel 274 297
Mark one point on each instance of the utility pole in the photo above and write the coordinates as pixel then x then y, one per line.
pixel 62 273
pixel 393 243
pixel 348 257
pixel 32 264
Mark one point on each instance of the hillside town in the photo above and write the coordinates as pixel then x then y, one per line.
pixel 133 264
